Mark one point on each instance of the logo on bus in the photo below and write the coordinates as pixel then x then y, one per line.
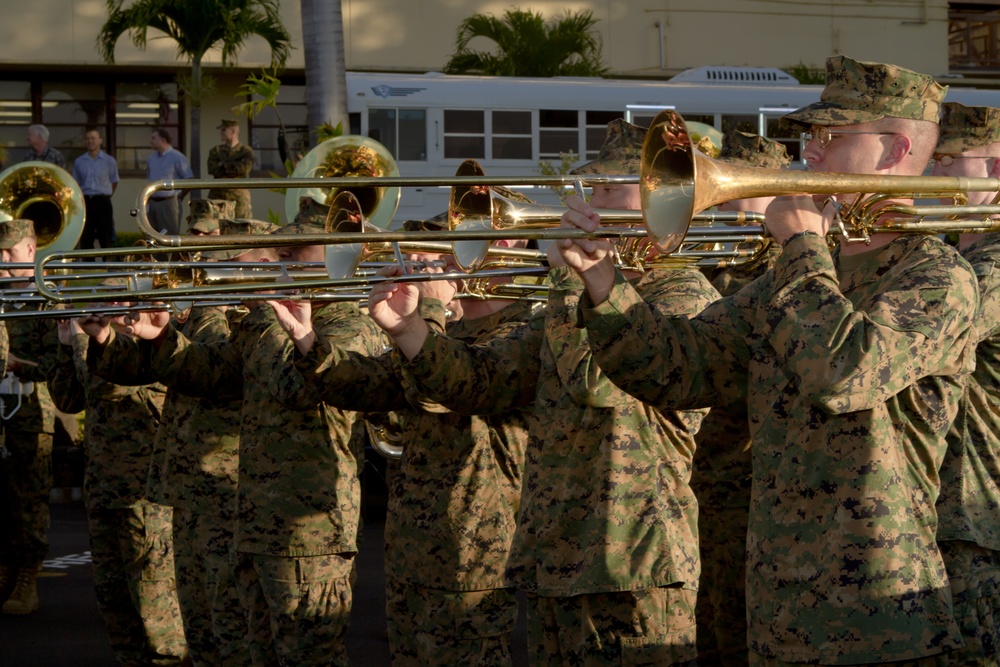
pixel 385 91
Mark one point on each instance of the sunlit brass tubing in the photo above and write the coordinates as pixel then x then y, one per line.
pixel 241 240
pixel 104 311
pixel 188 293
pixel 967 226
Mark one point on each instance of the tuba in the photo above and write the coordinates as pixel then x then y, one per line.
pixel 348 156
pixel 49 197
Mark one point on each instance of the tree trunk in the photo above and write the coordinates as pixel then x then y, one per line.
pixel 326 70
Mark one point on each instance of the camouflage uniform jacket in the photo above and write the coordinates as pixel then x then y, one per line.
pixel 455 498
pixel 120 425
pixel 605 503
pixel 969 505
pixel 299 492
pixel 851 382
pixel 34 340
pixel 196 449
pixel 230 162
pixel 720 476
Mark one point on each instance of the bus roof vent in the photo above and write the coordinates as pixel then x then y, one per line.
pixel 736 76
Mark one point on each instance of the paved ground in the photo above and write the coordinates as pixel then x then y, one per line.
pixel 68 631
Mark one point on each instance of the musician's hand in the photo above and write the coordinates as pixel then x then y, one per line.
pixel 67 329
pixel 98 327
pixel 593 259
pixel 150 325
pixel 442 290
pixel 789 215
pixel 295 317
pixel 393 306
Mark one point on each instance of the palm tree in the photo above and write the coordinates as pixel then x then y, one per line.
pixel 326 71
pixel 527 45
pixel 198 26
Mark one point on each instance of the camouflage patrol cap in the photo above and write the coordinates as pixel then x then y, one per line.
pixel 862 92
pixel 620 153
pixel 753 149
pixel 13 232
pixel 206 214
pixel 964 128
pixel 311 218
pixel 225 122
pixel 239 226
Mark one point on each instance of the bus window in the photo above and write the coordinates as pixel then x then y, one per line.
pixel 597 130
pixel 511 135
pixel 558 132
pixel 464 134
pixel 402 131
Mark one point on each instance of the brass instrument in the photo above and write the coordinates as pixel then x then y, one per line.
pixel 49 197
pixel 677 181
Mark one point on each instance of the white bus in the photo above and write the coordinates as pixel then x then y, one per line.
pixel 432 122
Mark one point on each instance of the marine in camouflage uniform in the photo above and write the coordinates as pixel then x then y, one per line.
pixel 606 545
pixel 969 505
pixel 26 470
pixel 850 389
pixel 130 541
pixel 231 159
pixel 298 489
pixel 453 503
pixel 194 470
pixel 720 477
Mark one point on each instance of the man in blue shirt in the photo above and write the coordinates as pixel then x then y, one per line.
pixel 166 162
pixel 97 174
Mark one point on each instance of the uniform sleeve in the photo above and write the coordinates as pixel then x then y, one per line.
pixel 474 379
pixel 44 349
pixel 215 165
pixel 670 361
pixel 203 370
pixel 66 386
pixel 848 360
pixel 120 360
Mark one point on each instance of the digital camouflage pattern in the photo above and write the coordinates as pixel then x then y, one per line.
pixel 862 92
pixel 26 474
pixel 225 161
pixel 603 473
pixel 453 503
pixel 969 504
pixel 194 470
pixel 620 153
pixel 721 480
pixel 130 537
pixel 206 214
pixel 13 232
pixel 850 391
pixel 965 128
pixel 753 149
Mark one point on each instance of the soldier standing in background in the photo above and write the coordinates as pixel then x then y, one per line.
pixel 231 159
pixel 130 537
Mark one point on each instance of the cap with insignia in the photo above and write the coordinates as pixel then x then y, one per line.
pixel 241 226
pixel 224 123
pixel 621 152
pixel 13 232
pixel 206 214
pixel 965 128
pixel 754 150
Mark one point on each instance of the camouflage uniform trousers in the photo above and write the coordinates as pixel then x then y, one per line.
pixel 26 480
pixel 722 592
pixel 241 197
pixel 974 574
pixel 297 609
pixel 429 626
pixel 214 623
pixel 652 626
pixel 134 582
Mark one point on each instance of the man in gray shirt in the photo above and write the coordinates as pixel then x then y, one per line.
pixel 38 139
pixel 164 163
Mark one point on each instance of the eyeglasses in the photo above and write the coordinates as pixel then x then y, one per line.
pixel 948 160
pixel 824 136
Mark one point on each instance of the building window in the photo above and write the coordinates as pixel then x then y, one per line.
pixel 597 131
pixel 511 135
pixel 265 127
pixel 140 109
